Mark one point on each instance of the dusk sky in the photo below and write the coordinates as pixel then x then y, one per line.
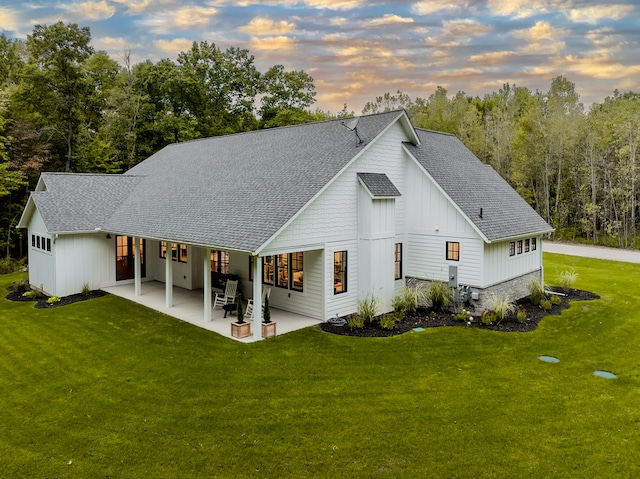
pixel 356 49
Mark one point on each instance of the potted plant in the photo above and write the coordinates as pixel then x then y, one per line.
pixel 240 329
pixel 268 326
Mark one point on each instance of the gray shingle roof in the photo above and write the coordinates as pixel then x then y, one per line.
pixel 79 201
pixel 237 191
pixel 473 186
pixel 379 185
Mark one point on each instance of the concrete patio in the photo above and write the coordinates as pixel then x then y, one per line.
pixel 188 306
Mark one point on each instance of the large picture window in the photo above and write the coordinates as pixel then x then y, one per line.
pixel 397 261
pixel 453 251
pixel 220 262
pixel 339 272
pixel 284 270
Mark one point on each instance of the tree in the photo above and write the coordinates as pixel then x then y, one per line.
pixel 388 102
pixel 285 91
pixel 55 85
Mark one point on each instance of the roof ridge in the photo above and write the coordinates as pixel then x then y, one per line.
pixel 436 132
pixel 73 173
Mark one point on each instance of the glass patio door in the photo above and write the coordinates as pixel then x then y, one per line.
pixel 125 259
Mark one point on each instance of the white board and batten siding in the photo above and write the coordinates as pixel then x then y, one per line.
pixel 432 220
pixel 330 222
pixel 41 262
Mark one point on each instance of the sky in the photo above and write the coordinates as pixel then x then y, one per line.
pixel 356 50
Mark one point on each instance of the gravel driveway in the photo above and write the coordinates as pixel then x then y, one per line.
pixel 600 252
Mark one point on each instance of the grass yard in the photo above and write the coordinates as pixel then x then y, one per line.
pixel 107 388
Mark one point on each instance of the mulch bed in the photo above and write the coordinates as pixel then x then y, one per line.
pixel 428 319
pixel 41 302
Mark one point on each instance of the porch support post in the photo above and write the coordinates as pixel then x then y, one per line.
pixel 137 269
pixel 169 276
pixel 206 253
pixel 257 297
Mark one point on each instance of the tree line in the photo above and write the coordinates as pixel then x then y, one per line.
pixel 577 168
pixel 66 107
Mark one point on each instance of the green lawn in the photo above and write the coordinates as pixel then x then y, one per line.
pixel 106 388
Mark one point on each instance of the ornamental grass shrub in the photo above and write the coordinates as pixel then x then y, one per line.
pixel 368 308
pixel 567 278
pixel 501 306
pixel 440 295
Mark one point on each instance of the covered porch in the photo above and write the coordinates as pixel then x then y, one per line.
pixel 187 306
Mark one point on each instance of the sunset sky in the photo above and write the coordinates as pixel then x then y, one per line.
pixel 357 49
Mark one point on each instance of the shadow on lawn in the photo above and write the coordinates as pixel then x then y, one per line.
pixel 425 318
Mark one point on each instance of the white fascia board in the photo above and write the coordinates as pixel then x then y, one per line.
pixel 27 213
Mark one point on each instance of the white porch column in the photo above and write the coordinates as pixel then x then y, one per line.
pixel 137 270
pixel 206 252
pixel 257 297
pixel 168 277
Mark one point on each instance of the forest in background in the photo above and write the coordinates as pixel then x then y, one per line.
pixel 66 107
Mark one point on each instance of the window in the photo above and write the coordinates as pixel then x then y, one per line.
pixel 519 246
pixel 48 244
pixel 512 248
pixel 267 270
pixel 220 262
pixel 282 270
pixel 178 251
pixel 285 269
pixel 38 242
pixel 297 263
pixel 533 244
pixel 526 245
pixel 33 241
pixel 453 251
pixel 339 272
pixel 397 262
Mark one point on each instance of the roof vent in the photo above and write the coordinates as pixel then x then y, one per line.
pixel 481 213
pixel 353 126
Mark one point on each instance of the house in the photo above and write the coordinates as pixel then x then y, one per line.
pixel 323 213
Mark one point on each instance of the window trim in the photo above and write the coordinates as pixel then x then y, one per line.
pixel 282 272
pixel 534 244
pixel 292 271
pixel 512 248
pixel 397 261
pixel 519 247
pixel 527 245
pixel 342 272
pixel 453 253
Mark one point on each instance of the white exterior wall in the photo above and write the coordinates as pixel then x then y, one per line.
pixel 432 221
pixel 499 266
pixel 41 263
pixel 330 223
pixel 84 258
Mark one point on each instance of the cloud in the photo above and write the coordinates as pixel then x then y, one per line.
pixel 524 8
pixel 319 4
pixel 89 10
pixel 175 46
pixel 266 26
pixel 542 38
pixel 492 58
pixel 388 19
pixel 594 14
pixel 338 21
pixel 279 43
pixel 8 20
pixel 427 7
pixel 134 6
pixel 600 65
pixel 180 19
pixel 465 28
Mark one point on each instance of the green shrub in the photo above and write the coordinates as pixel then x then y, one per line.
pixel 21 286
pixel 567 278
pixel 31 294
pixel 53 300
pixel 407 301
pixel 239 311
pixel 440 295
pixel 355 322
pixel 266 315
pixel 536 291
pixel 501 305
pixel 489 316
pixel 367 308
pixel 389 320
pixel 86 290
pixel 545 304
pixel 521 315
pixel 555 300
